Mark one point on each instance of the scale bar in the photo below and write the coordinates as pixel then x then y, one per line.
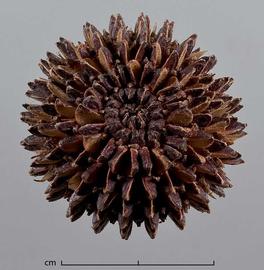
pixel 138 264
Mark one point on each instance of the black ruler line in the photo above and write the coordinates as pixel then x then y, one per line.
pixel 138 264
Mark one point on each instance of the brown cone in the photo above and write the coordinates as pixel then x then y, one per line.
pixel 131 126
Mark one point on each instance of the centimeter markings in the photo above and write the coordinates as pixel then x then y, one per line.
pixel 138 264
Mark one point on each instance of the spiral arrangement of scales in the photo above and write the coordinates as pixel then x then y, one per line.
pixel 131 126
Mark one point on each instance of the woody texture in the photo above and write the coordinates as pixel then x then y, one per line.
pixel 131 126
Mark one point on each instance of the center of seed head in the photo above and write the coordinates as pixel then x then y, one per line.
pixel 134 116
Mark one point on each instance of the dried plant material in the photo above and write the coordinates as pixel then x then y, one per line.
pixel 131 126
